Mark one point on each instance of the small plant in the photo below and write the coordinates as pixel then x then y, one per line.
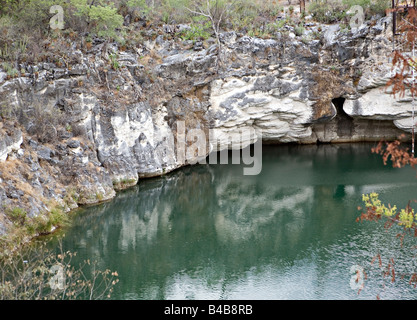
pixel 276 10
pixel 16 215
pixel 327 11
pixel 99 196
pixel 22 44
pixel 299 30
pixel 138 7
pixel 68 128
pixel 124 183
pixel 5 52
pixel 197 32
pixel 113 61
pixel 6 111
pixel 283 23
pixel 57 217
pixel 10 70
pixel 88 42
pixel 103 18
pixel 316 35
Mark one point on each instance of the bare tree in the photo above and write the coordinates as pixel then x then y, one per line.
pixel 216 11
pixel 302 6
pixel 38 273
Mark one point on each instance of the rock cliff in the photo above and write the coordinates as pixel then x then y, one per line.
pixel 74 133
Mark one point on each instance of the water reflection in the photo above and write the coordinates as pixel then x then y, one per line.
pixel 207 231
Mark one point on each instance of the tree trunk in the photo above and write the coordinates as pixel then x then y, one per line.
pixel 302 6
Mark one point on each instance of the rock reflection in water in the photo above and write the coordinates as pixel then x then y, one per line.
pixel 207 231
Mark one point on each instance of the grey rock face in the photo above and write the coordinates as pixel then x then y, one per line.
pixel 10 141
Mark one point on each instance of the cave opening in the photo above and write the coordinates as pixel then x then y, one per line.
pixel 343 120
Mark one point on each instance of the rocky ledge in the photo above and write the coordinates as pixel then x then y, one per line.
pixel 74 133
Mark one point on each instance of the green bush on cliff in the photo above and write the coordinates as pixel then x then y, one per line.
pixel 25 226
pixel 200 29
pixel 100 17
pixel 370 7
pixel 330 11
pixel 327 11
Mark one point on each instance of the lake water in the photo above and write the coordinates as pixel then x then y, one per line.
pixel 209 232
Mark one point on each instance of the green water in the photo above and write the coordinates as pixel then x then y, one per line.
pixel 209 232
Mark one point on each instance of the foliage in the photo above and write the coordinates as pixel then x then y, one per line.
pixel 375 210
pixel 197 31
pixel 16 215
pixel 138 4
pixel 113 61
pixel 257 18
pixel 36 273
pixel 43 120
pixel 299 30
pixel 371 7
pixel 216 11
pixel 34 14
pixel 403 62
pixel 26 226
pixel 137 9
pixel 327 11
pixel 16 51
pixel 247 14
pixel 330 11
pixel 101 17
pixel 173 11
pixel 10 70
pixel 405 218
pixel 7 6
pixel 396 153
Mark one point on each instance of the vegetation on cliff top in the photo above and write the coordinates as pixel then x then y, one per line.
pixel 27 27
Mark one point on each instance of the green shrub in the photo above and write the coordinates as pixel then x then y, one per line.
pixel 136 8
pixel 299 30
pixel 370 7
pixel 10 70
pixel 199 30
pixel 173 11
pixel 329 11
pixel 244 15
pixel 103 19
pixel 16 215
pixel 113 61
pixel 99 16
pixel 33 14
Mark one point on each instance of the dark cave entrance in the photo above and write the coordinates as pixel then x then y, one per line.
pixel 343 120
